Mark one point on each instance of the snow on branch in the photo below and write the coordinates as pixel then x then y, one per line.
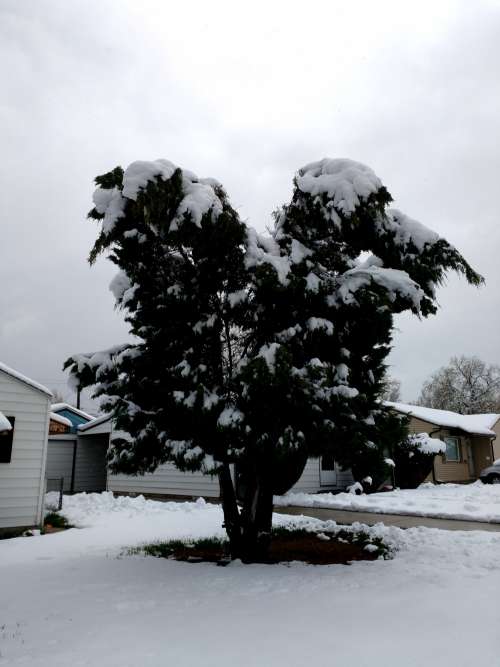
pixel 407 231
pixel 395 282
pixel 200 195
pixel 345 182
pixel 87 368
pixel 263 250
pixel 423 443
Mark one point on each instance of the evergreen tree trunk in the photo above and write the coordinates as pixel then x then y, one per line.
pixel 256 516
pixel 248 528
pixel 232 519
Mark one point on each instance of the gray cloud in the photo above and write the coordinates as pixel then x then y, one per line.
pixel 246 94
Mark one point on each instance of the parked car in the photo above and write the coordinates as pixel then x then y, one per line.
pixel 491 474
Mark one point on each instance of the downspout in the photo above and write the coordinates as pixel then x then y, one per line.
pixel 73 466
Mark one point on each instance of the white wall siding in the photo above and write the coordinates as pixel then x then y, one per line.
pixel 166 480
pixel 344 478
pixel 100 429
pixel 309 481
pixel 90 465
pixel 59 461
pixel 169 481
pixel 22 480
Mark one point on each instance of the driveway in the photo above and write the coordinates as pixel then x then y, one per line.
pixel 401 520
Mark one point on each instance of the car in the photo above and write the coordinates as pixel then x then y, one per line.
pixel 491 474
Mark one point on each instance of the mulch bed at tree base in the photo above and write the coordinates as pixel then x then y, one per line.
pixel 286 546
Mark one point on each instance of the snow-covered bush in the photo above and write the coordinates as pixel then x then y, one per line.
pixel 256 350
pixel 414 458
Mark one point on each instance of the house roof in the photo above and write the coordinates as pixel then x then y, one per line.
pixel 481 424
pixel 58 407
pixel 26 380
pixel 60 419
pixel 95 422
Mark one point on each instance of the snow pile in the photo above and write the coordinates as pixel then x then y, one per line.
pixel 345 182
pixel 87 509
pixel 477 501
pixel 114 523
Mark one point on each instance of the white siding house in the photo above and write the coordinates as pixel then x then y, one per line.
pixel 318 474
pixel 23 450
pixel 78 463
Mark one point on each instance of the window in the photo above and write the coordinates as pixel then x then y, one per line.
pixel 6 438
pixel 452 449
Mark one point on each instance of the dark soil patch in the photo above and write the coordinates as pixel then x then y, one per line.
pixel 287 545
pixel 54 523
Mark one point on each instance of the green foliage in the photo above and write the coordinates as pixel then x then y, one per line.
pixel 168 549
pixel 257 351
pixel 55 520
pixel 218 547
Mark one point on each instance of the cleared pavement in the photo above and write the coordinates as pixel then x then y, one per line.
pixel 401 520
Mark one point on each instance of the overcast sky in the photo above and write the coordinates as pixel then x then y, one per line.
pixel 247 93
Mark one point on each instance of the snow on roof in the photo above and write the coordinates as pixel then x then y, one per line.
pixel 94 422
pixel 475 424
pixel 4 423
pixel 60 419
pixel 58 407
pixel 26 380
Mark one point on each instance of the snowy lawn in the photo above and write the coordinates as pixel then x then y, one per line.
pixel 71 599
pixel 477 501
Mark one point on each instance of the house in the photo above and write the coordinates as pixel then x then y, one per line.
pixel 25 406
pixel 65 411
pixel 76 465
pixel 470 440
pixel 168 481
pixel 470 447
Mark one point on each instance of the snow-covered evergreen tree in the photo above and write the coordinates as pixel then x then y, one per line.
pixel 259 351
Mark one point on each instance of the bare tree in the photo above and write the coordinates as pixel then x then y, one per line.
pixel 467 385
pixel 58 396
pixel 391 389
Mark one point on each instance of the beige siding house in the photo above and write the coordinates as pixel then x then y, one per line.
pixel 470 440
pixel 25 405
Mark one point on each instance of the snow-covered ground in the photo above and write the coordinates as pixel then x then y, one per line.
pixel 477 501
pixel 73 598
